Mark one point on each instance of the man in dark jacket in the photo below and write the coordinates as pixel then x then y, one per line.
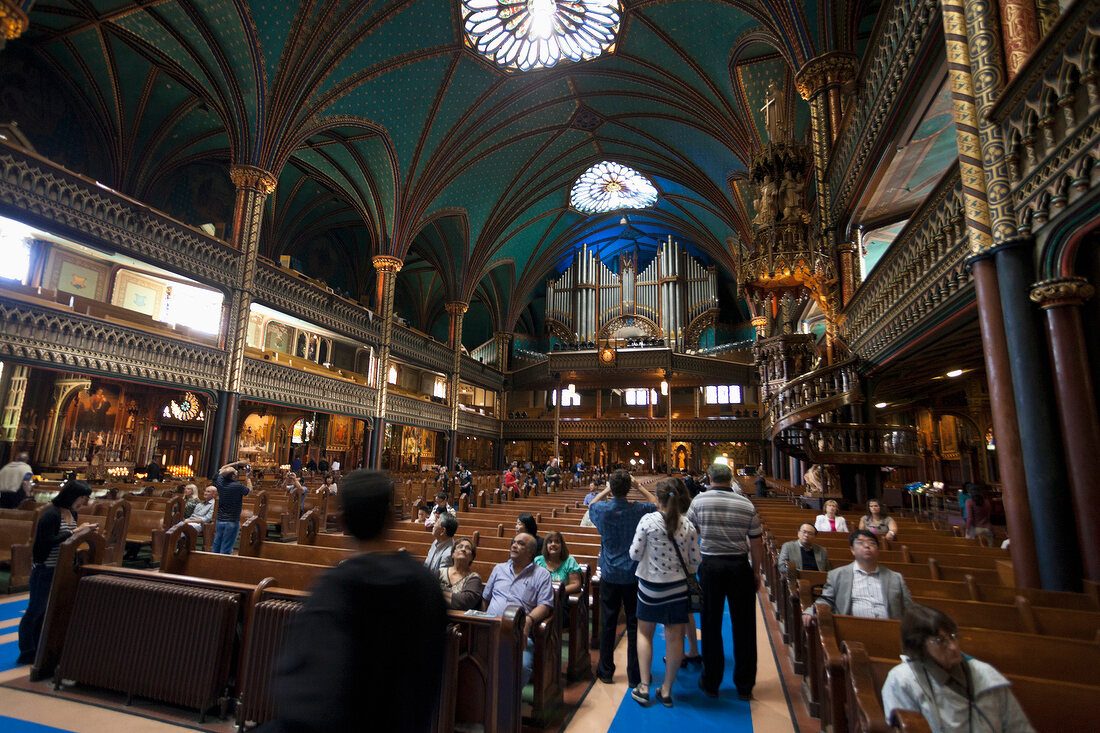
pixel 231 492
pixel 365 653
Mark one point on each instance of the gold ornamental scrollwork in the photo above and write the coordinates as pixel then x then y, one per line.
pixel 831 68
pixel 386 263
pixel 456 307
pixel 13 21
pixel 253 178
pixel 1061 291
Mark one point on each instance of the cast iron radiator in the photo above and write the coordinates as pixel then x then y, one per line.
pixel 165 642
pixel 270 623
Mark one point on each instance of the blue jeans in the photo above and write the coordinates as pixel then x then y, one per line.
pixel 30 627
pixel 225 536
pixel 528 661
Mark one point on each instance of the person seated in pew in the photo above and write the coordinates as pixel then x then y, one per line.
pixel 863 587
pixel 877 521
pixel 328 485
pixel 553 475
pixel 204 513
pixel 803 552
pixel 520 582
pixel 830 521
pixel 443 543
pixel 190 499
pixel 511 483
pixel 292 482
pixel 365 652
pixel 440 508
pixel 563 567
pixel 954 692
pixel 979 515
pixel 14 477
pixel 530 485
pixel 461 586
pixel 593 492
pixel 526 523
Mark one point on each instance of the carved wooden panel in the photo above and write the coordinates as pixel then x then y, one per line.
pixel 418 413
pixel 267 382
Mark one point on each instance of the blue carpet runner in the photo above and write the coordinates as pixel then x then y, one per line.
pixel 14 725
pixel 10 650
pixel 692 711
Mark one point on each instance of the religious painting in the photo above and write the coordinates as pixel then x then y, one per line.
pixel 949 437
pixel 70 273
pixel 137 292
pixel 277 337
pixel 339 432
pixel 255 433
pixel 96 408
pixel 255 337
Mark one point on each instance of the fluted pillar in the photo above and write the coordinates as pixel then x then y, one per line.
pixel 504 348
pixel 387 268
pixel 253 186
pixel 456 310
pixel 1061 301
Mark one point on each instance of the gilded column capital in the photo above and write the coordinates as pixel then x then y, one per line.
pixel 1061 291
pixel 835 67
pixel 456 307
pixel 251 177
pixel 387 263
pixel 13 21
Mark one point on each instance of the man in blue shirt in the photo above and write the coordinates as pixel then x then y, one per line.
pixel 520 582
pixel 617 520
pixel 230 493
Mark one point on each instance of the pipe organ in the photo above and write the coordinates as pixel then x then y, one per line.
pixel 590 302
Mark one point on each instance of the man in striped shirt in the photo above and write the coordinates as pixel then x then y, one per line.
pixel 729 530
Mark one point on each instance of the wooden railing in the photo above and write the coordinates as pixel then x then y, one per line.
pixel 812 395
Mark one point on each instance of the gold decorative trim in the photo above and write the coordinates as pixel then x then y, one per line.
pixel 835 67
pixel 456 307
pixel 253 178
pixel 13 21
pixel 1061 291
pixel 384 263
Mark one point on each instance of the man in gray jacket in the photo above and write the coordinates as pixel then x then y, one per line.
pixel 864 588
pixel 803 552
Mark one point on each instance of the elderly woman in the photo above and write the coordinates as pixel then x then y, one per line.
pixel 952 691
pixel 877 521
pixel 830 521
pixel 461 586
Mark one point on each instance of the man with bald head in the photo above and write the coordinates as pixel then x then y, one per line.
pixel 520 582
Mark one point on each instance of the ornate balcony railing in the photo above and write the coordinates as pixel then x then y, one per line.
pixel 296 295
pixel 56 338
pixel 34 190
pixel 812 395
pixel 416 348
pixel 472 423
pixel 882 445
pixel 901 33
pixel 1050 119
pixel 480 374
pixel 717 429
pixel 418 413
pixel 283 385
pixel 923 270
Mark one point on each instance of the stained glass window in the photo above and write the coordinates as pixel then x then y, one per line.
pixel 521 35
pixel 611 186
pixel 188 408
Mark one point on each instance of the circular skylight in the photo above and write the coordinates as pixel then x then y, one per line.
pixel 611 186
pixel 534 34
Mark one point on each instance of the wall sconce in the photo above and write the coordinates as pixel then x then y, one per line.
pixel 572 389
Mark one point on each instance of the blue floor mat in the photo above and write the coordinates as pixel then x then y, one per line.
pixel 693 711
pixel 15 609
pixel 14 725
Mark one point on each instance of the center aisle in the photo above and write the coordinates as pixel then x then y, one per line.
pixel 610 707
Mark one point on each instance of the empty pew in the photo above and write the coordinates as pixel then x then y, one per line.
pixel 16 541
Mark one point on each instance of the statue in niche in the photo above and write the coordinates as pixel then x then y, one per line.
pixel 790 196
pixel 766 203
pixel 775 114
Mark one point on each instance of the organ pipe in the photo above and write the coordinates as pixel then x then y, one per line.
pixel 672 290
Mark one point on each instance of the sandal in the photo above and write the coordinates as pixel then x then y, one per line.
pixel 642 698
pixel 665 700
pixel 697 660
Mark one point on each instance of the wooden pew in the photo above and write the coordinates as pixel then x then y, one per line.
pixel 284 509
pixel 1045 657
pixel 16 541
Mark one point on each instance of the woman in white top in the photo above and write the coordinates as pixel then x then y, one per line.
pixel 661 540
pixel 830 521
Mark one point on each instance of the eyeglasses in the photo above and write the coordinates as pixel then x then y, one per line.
pixel 943 639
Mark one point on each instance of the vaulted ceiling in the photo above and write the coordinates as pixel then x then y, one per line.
pixel 388 135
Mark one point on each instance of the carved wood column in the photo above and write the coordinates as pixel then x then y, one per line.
pixel 504 341
pixel 456 310
pixel 1061 301
pixel 387 268
pixel 253 185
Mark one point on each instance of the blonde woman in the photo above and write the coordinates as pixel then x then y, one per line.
pixel 831 521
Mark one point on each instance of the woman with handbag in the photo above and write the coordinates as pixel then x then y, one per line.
pixel 666 548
